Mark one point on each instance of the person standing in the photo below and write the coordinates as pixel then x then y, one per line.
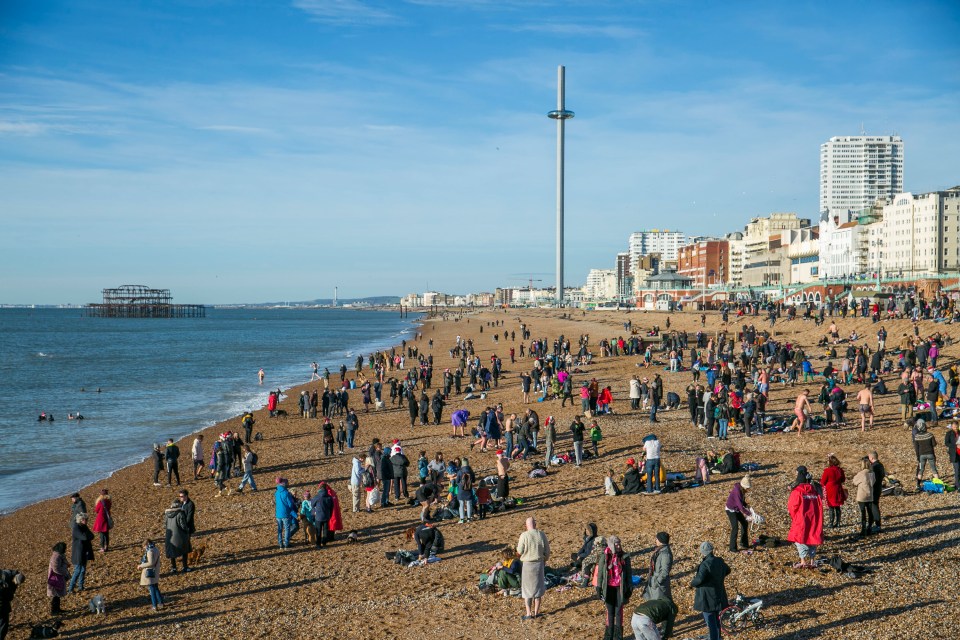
pixel 176 535
pixel 923 446
pixel 549 438
pixel 353 423
pixel 189 510
pixel 533 550
pixel 710 597
pixel 172 459
pixel 863 481
pixel 77 507
pixel 158 460
pixel 651 448
pixel 286 513
pixel 661 562
pixel 356 481
pixel 196 452
pixel 322 508
pixel 81 552
pixel 9 581
pixel 950 441
pixel 738 511
pixel 832 480
pixel 57 577
pixel 879 473
pixel 806 513
pixel 634 393
pixel 103 520
pixel 577 429
pixel 865 400
pixel 401 466
pixel 150 573
pixel 614 586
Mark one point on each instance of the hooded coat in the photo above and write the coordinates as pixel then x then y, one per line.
pixel 589 535
pixel 658 582
pixel 625 588
pixel 81 550
pixel 832 481
pixel 806 513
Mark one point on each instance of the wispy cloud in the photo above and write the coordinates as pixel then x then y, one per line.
pixel 232 128
pixel 22 128
pixel 613 31
pixel 344 12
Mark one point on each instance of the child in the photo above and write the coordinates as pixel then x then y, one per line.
pixel 422 466
pixel 610 487
pixel 595 437
pixel 341 438
pixel 305 513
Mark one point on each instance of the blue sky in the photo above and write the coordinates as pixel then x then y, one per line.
pixel 269 150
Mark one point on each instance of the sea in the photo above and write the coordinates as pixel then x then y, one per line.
pixel 141 381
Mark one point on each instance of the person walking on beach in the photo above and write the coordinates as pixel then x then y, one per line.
pixel 150 573
pixel 189 511
pixel 81 552
pixel 176 535
pixel 356 481
pixel 103 520
pixel 534 551
pixel 57 577
pixel 865 400
pixel 249 462
pixel 196 452
pixel 710 597
pixel 172 459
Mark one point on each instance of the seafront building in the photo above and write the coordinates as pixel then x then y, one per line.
pixel 856 171
pixel 660 241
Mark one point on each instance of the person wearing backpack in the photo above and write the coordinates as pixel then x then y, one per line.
pixel 465 480
pixel 249 462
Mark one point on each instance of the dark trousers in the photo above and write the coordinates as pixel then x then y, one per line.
pixel 400 486
pixel 323 533
pixel 737 522
pixel 834 516
pixel 956 474
pixel 712 618
pixel 614 609
pixel 866 517
pixel 104 539
pixel 173 471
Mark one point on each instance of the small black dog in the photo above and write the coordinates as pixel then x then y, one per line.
pixel 46 630
pixel 280 413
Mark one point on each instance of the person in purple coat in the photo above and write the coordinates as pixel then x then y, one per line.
pixel 738 511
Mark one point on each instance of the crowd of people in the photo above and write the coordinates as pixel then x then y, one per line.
pixel 731 375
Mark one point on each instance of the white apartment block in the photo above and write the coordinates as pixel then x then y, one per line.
pixel 737 252
pixel 918 235
pixel 661 241
pixel 601 284
pixel 856 171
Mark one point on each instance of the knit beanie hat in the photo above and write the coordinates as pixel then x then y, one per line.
pixel 663 537
pixel 745 482
pixel 706 549
pixel 803 476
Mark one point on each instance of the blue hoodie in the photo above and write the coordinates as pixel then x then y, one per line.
pixel 286 508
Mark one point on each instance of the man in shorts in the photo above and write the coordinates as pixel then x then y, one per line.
pixel 865 400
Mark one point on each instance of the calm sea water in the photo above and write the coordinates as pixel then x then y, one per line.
pixel 158 379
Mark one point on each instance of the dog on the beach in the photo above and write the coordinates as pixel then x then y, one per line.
pixel 196 554
pixel 353 537
pixel 309 529
pixel 280 413
pixel 98 605
pixel 258 437
pixel 46 630
pixel 379 405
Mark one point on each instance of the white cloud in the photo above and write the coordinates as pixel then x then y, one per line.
pixel 344 12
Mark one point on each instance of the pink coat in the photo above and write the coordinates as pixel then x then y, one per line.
pixel 806 513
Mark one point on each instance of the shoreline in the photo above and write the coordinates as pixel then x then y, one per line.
pixel 414 325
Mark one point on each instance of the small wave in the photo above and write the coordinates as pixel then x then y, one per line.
pixel 41 354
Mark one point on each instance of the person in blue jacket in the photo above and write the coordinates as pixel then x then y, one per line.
pixel 286 513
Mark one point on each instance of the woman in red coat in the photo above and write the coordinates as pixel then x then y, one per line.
pixel 832 480
pixel 806 515
pixel 103 521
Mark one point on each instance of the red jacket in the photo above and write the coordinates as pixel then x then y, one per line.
pixel 832 481
pixel 272 402
pixel 806 512
pixel 102 508
pixel 336 518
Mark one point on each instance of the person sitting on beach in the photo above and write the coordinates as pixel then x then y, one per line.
pixel 589 534
pixel 632 484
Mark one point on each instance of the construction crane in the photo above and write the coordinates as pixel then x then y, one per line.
pixel 530 281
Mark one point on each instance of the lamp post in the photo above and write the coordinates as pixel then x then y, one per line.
pixel 560 114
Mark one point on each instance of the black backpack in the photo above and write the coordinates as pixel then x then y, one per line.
pixel 465 484
pixel 366 479
pixel 254 459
